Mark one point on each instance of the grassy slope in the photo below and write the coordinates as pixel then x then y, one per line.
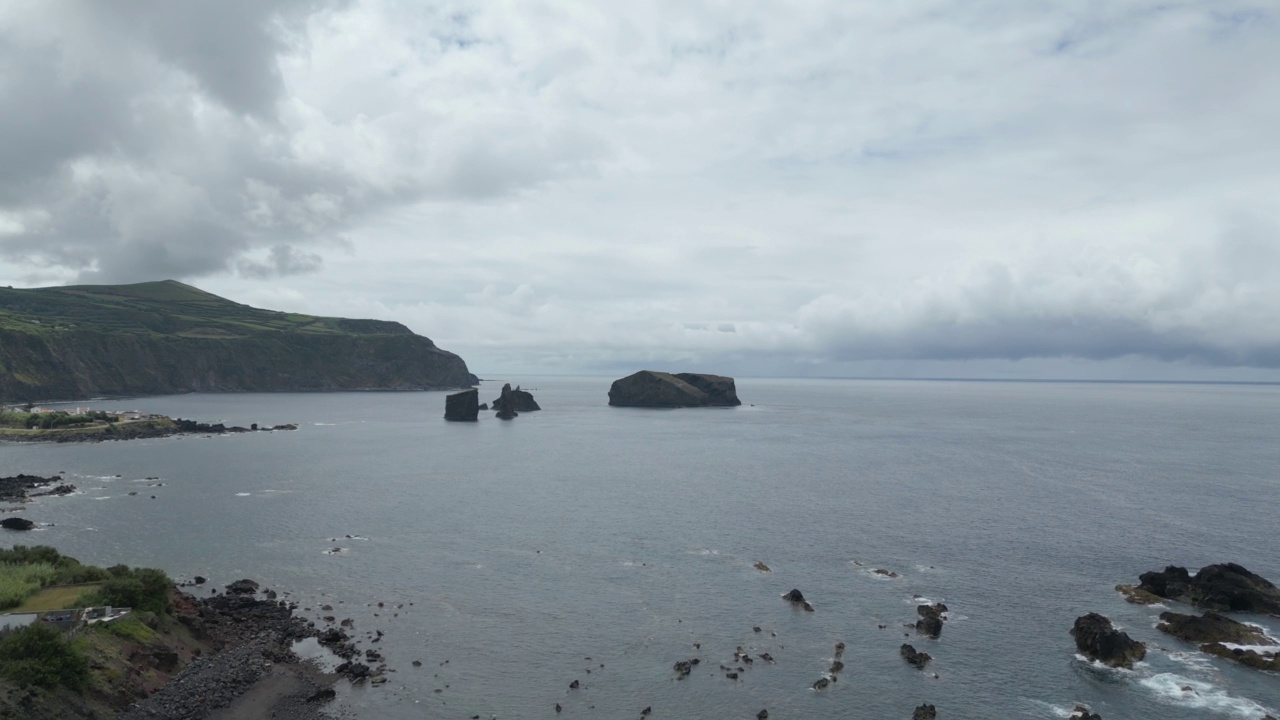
pixel 161 308
pixel 59 597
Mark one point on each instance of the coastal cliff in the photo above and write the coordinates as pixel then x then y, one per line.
pixel 167 337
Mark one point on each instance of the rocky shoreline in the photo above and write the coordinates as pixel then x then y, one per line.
pixel 140 430
pixel 253 672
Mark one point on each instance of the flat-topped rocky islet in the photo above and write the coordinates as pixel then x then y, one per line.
pixel 650 388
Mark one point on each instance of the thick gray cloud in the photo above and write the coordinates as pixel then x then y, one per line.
pixel 827 187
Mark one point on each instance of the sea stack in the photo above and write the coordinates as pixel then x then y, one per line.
pixel 463 406
pixel 649 388
pixel 505 404
pixel 521 401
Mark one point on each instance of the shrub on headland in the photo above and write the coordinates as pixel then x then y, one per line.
pixel 141 589
pixel 41 655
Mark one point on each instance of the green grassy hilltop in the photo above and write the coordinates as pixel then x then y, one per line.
pixel 164 337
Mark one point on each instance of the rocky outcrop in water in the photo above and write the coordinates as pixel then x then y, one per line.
pixel 463 406
pixel 505 404
pixel 16 523
pixel 19 487
pixel 521 401
pixel 649 388
pixel 1226 587
pixel 930 622
pixel 925 712
pixel 914 657
pixel 1216 635
pixel 1210 627
pixel 1082 713
pixel 1097 639
pixel 795 597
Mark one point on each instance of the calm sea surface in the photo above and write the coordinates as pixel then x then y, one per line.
pixel 600 544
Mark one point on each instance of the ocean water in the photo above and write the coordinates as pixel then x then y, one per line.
pixel 600 544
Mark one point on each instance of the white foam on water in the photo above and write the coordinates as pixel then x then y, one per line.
pixel 1264 649
pixel 104 497
pixel 1177 690
pixel 926 568
pixel 1193 660
pixel 1266 632
pixel 324 424
pixel 243 494
pixel 1045 709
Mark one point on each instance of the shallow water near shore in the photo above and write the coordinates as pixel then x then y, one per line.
pixel 513 557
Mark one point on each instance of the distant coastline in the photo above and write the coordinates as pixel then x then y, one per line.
pixel 60 426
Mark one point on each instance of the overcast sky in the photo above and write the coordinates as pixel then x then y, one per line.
pixel 1066 188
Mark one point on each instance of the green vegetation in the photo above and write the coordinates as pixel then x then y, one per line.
pixel 167 337
pixel 161 308
pixel 51 420
pixel 19 582
pixel 144 589
pixel 25 570
pixel 58 597
pixel 41 655
pixel 128 627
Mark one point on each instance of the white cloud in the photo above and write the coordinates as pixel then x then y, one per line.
pixel 562 187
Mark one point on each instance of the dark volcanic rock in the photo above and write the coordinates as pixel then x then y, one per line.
pixel 795 597
pixel 1098 640
pixel 1225 588
pixel 242 587
pixel 1082 713
pixel 914 657
pixel 505 404
pixel 930 622
pixel 1210 627
pixel 1214 632
pixel 16 487
pixel 925 712
pixel 649 388
pixel 463 406
pixel 521 401
pixel 16 523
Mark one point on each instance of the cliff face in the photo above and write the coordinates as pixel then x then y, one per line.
pixel 163 338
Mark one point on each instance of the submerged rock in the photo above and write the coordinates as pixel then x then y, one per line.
pixel 463 406
pixel 1138 596
pixel 1226 587
pixel 1097 639
pixel 649 388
